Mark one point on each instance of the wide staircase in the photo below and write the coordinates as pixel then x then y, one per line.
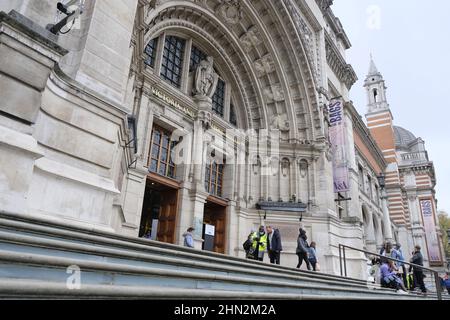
pixel 35 257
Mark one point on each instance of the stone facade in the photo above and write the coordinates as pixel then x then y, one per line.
pixel 69 153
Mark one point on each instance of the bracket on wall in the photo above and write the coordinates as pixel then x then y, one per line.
pixel 341 198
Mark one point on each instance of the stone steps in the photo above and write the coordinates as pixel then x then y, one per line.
pixel 34 257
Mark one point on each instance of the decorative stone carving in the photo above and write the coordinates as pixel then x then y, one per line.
pixel 324 4
pixel 340 67
pixel 230 11
pixel 303 164
pixel 285 166
pixel 205 118
pixel 307 36
pixel 205 79
pixel 251 38
pixel 274 93
pixel 264 65
pixel 280 122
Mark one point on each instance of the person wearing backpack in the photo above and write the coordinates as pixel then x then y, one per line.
pixel 247 245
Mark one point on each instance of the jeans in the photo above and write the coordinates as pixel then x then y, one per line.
pixel 274 257
pixel 303 257
pixel 313 263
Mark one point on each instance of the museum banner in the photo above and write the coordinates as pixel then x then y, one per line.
pixel 434 251
pixel 338 146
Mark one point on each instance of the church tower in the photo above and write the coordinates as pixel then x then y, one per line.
pixel 379 116
pixel 380 123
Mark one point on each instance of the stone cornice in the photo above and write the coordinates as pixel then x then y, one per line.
pixel 333 21
pixel 336 61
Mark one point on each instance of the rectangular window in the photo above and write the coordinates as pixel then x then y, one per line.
pixel 214 179
pixel 172 62
pixel 197 56
pixel 218 99
pixel 150 52
pixel 160 156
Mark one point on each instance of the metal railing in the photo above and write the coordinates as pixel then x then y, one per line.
pixel 343 265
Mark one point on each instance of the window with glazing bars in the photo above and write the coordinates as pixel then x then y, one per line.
pixel 150 52
pixel 218 99
pixel 233 119
pixel 214 179
pixel 172 61
pixel 160 158
pixel 197 56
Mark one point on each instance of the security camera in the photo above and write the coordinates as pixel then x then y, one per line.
pixel 72 9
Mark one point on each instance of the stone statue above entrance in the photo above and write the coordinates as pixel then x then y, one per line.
pixel 205 79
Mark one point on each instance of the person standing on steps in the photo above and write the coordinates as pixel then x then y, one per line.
pixel 312 255
pixel 302 249
pixel 417 258
pixel 274 246
pixel 259 245
pixel 189 238
pixel 397 253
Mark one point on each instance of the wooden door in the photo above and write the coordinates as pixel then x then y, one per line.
pixel 215 215
pixel 219 222
pixel 168 216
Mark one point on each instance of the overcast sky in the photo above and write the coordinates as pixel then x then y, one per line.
pixel 410 43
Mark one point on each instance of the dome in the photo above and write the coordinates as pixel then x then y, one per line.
pixel 403 137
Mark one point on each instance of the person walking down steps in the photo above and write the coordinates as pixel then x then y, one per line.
pixel 302 249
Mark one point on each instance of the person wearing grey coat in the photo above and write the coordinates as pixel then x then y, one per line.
pixel 302 249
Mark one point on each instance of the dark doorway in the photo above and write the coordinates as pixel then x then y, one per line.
pixel 159 212
pixel 215 215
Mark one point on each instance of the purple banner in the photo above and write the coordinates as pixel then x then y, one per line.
pixel 338 146
pixel 434 252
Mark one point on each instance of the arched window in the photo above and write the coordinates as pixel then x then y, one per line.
pixel 172 60
pixel 375 95
pixel 171 55
pixel 197 56
pixel 150 52
pixel 218 99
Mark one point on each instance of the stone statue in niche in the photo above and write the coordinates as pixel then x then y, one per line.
pixel 264 66
pixel 285 165
pixel 250 39
pixel 303 168
pixel 206 79
pixel 280 122
pixel 274 93
pixel 230 11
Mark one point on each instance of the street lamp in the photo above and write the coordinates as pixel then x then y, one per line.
pixel 382 180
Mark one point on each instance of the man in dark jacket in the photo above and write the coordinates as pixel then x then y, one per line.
pixel 274 246
pixel 302 249
pixel 417 258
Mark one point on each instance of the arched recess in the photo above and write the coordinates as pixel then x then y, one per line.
pixel 377 230
pixel 366 222
pixel 201 22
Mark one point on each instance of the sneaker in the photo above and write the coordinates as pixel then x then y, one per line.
pixel 402 292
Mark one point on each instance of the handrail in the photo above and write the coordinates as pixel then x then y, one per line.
pixel 434 272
